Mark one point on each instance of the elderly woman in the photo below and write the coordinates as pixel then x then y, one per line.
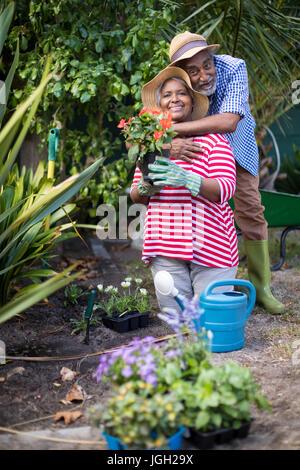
pixel 189 228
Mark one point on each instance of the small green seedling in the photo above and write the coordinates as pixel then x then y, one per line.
pixel 72 293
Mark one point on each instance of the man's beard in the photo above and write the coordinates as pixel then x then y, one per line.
pixel 210 91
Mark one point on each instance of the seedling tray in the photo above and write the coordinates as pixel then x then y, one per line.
pixel 207 440
pixel 131 321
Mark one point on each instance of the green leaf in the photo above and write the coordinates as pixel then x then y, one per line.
pixel 133 152
pixel 99 45
pixel 202 419
pixel 5 20
pixel 85 97
pixel 40 292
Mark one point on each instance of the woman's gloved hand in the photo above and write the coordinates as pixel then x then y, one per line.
pixel 147 189
pixel 166 173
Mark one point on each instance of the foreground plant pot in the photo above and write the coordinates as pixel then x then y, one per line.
pixel 207 440
pixel 130 321
pixel 174 442
pixel 150 157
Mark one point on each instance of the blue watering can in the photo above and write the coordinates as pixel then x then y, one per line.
pixel 226 314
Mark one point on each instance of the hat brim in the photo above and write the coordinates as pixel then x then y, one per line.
pixel 149 91
pixel 195 50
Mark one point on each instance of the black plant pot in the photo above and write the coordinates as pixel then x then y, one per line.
pixel 148 158
pixel 131 321
pixel 207 440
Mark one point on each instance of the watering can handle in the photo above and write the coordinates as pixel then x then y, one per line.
pixel 234 282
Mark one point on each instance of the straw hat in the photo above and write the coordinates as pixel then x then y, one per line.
pixel 149 91
pixel 186 45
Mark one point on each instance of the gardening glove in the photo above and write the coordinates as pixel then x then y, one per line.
pixel 147 189
pixel 167 173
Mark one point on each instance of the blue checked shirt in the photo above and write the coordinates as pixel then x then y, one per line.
pixel 231 96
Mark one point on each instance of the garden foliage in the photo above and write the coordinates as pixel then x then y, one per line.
pixel 26 200
pixel 177 380
pixel 105 51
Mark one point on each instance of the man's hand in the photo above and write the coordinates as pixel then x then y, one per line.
pixel 183 148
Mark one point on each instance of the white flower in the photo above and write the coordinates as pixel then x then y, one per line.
pixel 125 284
pixel 109 289
pixel 100 287
pixel 138 281
pixel 143 291
pixel 128 279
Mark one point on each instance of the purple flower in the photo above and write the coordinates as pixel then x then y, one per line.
pixel 102 369
pixel 149 358
pixel 148 339
pixel 172 354
pixel 151 379
pixel 128 357
pixel 117 353
pixel 127 371
pixel 147 369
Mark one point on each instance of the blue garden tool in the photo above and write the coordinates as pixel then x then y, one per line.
pixel 88 314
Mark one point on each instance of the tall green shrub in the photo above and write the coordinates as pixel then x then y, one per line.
pixel 26 200
pixel 106 50
pixel 102 51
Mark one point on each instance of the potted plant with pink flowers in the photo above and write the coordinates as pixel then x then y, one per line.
pixel 147 133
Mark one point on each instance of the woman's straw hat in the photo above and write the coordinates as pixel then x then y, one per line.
pixel 186 45
pixel 149 91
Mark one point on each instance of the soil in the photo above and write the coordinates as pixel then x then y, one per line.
pixel 32 391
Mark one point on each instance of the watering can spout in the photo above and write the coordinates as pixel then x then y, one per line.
pixel 164 284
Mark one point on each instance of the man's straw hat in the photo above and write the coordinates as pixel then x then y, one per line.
pixel 149 91
pixel 186 45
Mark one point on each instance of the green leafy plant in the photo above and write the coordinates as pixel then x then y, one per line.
pixel 81 325
pixel 220 397
pixel 201 395
pixel 72 293
pixel 100 50
pixel 115 303
pixel 147 132
pixel 139 419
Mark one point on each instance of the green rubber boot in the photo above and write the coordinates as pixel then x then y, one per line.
pixel 260 275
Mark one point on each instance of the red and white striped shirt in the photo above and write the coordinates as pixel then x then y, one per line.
pixel 179 225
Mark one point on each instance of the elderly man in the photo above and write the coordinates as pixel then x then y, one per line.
pixel 224 80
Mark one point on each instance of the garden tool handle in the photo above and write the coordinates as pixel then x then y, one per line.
pixel 53 144
pixel 89 310
pixel 234 282
pixel 52 148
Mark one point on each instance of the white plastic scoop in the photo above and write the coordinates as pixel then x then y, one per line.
pixel 164 284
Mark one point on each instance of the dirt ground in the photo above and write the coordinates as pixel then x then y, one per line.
pixel 32 391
